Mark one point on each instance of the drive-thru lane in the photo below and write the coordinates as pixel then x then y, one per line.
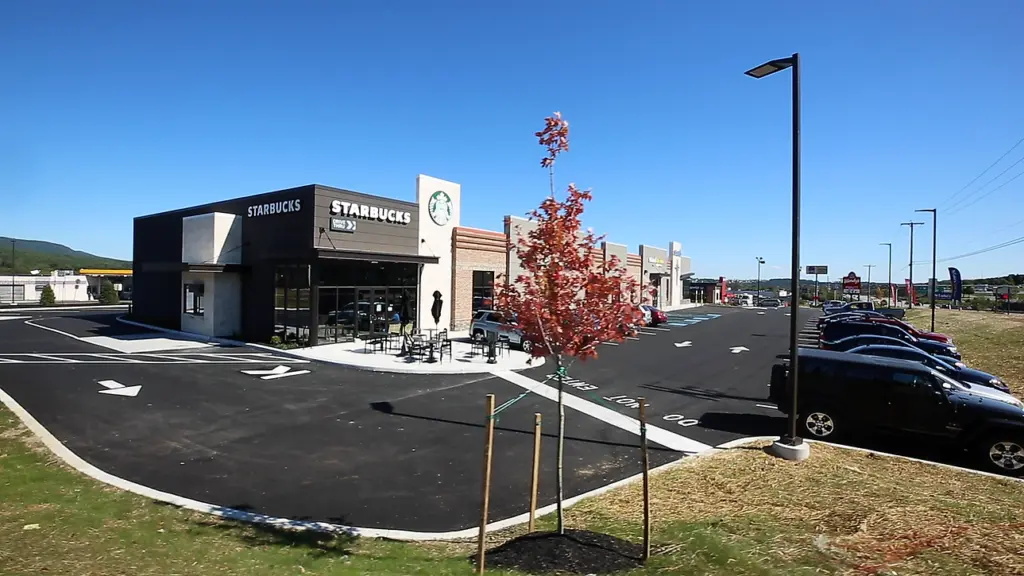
pixel 359 448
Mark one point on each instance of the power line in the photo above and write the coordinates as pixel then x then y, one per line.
pixel 976 178
pixel 985 195
pixel 1006 244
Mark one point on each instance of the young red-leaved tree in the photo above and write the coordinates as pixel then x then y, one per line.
pixel 567 301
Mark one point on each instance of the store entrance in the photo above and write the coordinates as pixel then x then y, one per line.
pixel 377 297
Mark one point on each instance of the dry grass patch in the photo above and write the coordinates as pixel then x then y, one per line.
pixel 851 512
pixel 989 341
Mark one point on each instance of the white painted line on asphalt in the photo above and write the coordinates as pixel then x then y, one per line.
pixel 738 349
pixel 236 358
pixel 685 344
pixel 115 388
pixel 14 317
pixel 631 338
pixel 610 343
pixel 654 434
pixel 770 406
pixel 61 332
pixel 9 361
pixel 646 333
pixel 119 358
pixel 658 329
pixel 56 358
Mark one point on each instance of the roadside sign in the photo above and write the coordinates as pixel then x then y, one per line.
pixel 1003 292
pixel 817 270
pixel 851 284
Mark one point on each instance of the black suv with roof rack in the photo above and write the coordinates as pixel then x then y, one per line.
pixel 841 393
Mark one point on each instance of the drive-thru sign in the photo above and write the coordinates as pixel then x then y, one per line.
pixel 851 284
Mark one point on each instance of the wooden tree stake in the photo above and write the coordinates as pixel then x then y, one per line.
pixel 488 454
pixel 536 469
pixel 647 485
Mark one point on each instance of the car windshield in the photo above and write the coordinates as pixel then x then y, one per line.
pixel 957 385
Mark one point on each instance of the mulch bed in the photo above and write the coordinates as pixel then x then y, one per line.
pixel 575 552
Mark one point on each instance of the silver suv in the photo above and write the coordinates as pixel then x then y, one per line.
pixel 503 324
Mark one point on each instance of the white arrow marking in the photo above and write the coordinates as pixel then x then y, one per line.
pixel 738 349
pixel 277 370
pixel 685 344
pixel 274 373
pixel 115 388
pixel 760 313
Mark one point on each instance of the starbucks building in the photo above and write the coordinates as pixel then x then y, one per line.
pixel 319 265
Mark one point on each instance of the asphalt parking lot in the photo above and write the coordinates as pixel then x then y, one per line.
pixel 258 430
pixel 335 444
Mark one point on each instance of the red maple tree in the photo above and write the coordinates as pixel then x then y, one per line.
pixel 568 299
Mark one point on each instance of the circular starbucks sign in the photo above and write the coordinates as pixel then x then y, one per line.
pixel 440 208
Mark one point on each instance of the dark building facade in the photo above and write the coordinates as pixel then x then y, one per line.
pixel 309 264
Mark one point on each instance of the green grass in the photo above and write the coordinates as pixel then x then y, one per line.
pixel 989 341
pixel 738 513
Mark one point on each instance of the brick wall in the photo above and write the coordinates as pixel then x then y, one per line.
pixel 473 250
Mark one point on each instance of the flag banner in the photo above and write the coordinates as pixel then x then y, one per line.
pixel 958 285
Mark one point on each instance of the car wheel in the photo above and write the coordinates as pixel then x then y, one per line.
pixel 526 346
pixel 821 424
pixel 478 335
pixel 1004 454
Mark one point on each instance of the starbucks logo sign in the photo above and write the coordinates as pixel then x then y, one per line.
pixel 440 208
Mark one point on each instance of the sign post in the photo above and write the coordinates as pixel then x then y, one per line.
pixel 816 271
pixel 1004 293
pixel 851 284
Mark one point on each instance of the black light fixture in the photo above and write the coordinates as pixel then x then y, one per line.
pixel 791 445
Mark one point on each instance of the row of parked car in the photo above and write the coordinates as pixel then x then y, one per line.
pixel 872 372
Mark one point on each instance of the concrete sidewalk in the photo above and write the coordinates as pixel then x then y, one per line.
pixel 461 361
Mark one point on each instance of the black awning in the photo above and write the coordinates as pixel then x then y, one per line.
pixel 378 256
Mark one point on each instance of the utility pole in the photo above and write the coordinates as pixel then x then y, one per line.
pixel 910 295
pixel 869 267
pixel 933 283
pixel 892 296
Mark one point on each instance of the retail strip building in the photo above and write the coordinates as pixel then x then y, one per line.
pixel 316 264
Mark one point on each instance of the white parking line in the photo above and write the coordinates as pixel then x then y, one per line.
pixel 119 358
pixel 658 329
pixel 654 434
pixel 56 358
pixel 770 406
pixel 610 343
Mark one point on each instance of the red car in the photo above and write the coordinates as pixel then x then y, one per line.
pixel 657 316
pixel 933 336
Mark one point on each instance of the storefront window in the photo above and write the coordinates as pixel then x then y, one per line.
pixel 483 290
pixel 370 297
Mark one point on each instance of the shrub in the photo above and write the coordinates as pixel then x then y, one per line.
pixel 107 293
pixel 47 298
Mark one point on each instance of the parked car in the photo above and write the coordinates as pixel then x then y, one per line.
pixel 653 316
pixel 771 302
pixel 875 317
pixel 850 307
pixel 957 372
pixel 503 324
pixel 851 342
pixel 839 330
pixel 843 394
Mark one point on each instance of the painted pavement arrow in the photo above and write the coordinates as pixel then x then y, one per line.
pixel 738 349
pixel 115 388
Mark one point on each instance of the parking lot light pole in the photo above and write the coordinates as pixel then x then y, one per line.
pixel 791 446
pixel 910 294
pixel 892 297
pixel 759 262
pixel 934 281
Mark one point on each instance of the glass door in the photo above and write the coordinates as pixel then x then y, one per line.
pixel 361 311
pixel 327 317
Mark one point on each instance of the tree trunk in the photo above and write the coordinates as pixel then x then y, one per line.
pixel 561 440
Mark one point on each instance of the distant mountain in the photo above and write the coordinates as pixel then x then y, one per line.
pixel 48 256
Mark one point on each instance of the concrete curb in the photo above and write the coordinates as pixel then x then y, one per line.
pixel 380 370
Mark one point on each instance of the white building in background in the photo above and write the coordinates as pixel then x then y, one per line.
pixel 26 289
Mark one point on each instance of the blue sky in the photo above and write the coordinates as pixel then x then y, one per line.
pixel 115 109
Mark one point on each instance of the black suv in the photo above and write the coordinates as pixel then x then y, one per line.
pixel 839 330
pixel 841 393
